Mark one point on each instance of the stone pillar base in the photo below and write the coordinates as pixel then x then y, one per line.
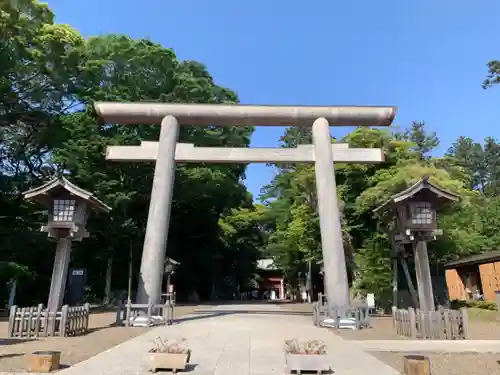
pixel 344 323
pixel 143 321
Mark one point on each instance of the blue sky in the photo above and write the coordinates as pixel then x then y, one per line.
pixel 426 57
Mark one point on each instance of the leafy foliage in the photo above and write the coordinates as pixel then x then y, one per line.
pixel 483 305
pixel 49 77
pixel 468 169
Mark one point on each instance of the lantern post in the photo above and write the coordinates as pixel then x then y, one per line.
pixel 414 212
pixel 69 207
pixel 170 266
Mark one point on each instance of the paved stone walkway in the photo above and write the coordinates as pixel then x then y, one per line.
pixel 234 340
pixel 248 340
pixel 436 346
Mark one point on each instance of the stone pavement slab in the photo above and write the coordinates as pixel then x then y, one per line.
pixel 234 340
pixel 439 346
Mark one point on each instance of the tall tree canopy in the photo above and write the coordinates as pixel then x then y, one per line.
pixel 467 227
pixel 49 77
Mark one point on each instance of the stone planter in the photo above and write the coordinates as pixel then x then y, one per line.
pixel 168 361
pixel 307 362
pixel 43 361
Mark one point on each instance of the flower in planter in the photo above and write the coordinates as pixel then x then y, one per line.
pixel 310 347
pixel 170 346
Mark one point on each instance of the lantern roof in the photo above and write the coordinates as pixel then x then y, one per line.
pixel 44 193
pixel 171 261
pixel 432 192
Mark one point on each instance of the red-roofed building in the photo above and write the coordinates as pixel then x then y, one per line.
pixel 271 281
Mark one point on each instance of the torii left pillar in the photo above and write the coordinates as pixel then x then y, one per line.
pixel 160 204
pixel 335 270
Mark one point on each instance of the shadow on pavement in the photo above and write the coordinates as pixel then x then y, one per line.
pixel 206 314
pixel 14 341
pixel 10 355
pixel 257 312
pixel 190 367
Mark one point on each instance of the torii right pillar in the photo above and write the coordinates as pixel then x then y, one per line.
pixel 335 270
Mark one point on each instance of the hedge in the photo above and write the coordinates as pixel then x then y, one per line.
pixel 485 305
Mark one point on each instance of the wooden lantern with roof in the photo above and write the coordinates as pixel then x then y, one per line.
pixel 414 211
pixel 69 207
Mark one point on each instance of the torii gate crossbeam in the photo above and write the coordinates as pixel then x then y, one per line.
pixel 188 153
pixel 167 152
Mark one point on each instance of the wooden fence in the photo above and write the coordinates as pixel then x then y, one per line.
pixel 126 311
pixel 76 320
pixel 36 321
pixel 442 324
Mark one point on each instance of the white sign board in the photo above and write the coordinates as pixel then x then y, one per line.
pixel 370 300
pixel 77 272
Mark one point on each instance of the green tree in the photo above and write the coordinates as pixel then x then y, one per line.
pixel 38 75
pixel 480 162
pixel 49 77
pixel 493 76
pixel 121 68
pixel 423 142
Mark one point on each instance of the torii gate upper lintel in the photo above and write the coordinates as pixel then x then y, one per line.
pixel 243 115
pixel 167 152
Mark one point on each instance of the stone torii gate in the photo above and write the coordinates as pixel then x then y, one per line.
pixel 167 152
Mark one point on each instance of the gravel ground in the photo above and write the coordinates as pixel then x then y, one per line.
pixel 382 330
pixel 102 336
pixel 482 325
pixel 449 364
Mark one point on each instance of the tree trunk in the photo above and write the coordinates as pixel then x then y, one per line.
pixel 107 287
pixel 130 271
pixel 12 293
pixel 302 289
pixel 395 282
pixel 309 284
pixel 394 271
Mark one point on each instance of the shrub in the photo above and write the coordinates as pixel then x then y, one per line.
pixel 306 347
pixel 485 305
pixel 176 347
